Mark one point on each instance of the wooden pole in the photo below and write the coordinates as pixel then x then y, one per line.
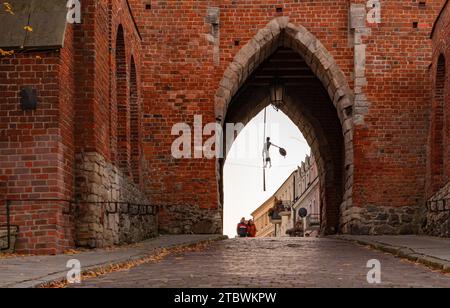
pixel 264 179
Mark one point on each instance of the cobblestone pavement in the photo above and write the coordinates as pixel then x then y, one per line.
pixel 278 263
pixel 32 271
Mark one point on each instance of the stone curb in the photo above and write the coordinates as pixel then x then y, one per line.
pixel 61 276
pixel 401 252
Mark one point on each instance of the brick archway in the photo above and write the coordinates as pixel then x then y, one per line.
pixel 280 33
pixel 135 151
pixel 123 112
pixel 437 146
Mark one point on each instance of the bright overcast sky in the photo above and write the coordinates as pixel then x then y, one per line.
pixel 243 181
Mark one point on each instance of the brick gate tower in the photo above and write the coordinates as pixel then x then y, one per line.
pixel 91 164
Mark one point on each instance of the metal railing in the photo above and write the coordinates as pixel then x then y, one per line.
pixel 132 209
pixel 142 209
pixel 5 218
pixel 7 209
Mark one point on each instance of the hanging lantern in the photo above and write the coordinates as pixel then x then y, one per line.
pixel 277 93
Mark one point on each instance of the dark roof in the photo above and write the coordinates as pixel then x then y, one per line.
pixel 439 17
pixel 48 19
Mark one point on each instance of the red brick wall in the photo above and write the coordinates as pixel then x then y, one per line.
pixel 36 148
pixel 439 136
pixel 177 75
pixel 76 114
pixel 29 139
pixel 104 113
pixel 390 148
pixel 180 80
pixel 95 43
pixel 135 125
pixel 437 221
pixel 65 220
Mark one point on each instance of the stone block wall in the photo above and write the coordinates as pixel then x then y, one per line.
pixel 182 219
pixel 104 216
pixel 437 221
pixel 374 220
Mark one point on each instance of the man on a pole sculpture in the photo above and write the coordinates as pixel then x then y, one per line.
pixel 266 153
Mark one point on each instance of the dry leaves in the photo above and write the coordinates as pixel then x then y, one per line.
pixel 8 8
pixel 12 255
pixel 72 252
pixel 6 52
pixel 125 266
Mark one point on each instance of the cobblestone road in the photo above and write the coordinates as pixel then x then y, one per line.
pixel 276 263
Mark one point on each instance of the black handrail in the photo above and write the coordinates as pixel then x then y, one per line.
pixel 9 202
pixel 142 210
pixel 8 225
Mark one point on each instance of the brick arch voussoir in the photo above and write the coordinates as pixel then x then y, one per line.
pixel 311 131
pixel 265 42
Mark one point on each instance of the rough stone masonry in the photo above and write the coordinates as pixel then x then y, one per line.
pixel 371 97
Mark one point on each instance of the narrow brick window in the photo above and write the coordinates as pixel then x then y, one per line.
pixel 134 123
pixel 123 129
pixel 437 146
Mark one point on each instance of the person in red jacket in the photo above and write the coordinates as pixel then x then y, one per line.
pixel 251 229
pixel 242 228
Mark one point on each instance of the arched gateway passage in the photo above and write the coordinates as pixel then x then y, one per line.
pixel 318 100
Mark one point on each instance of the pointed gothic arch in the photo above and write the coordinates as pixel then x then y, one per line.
pixel 280 33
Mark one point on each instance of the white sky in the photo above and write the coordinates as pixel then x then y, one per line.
pixel 243 173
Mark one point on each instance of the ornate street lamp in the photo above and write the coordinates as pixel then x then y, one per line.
pixel 277 93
